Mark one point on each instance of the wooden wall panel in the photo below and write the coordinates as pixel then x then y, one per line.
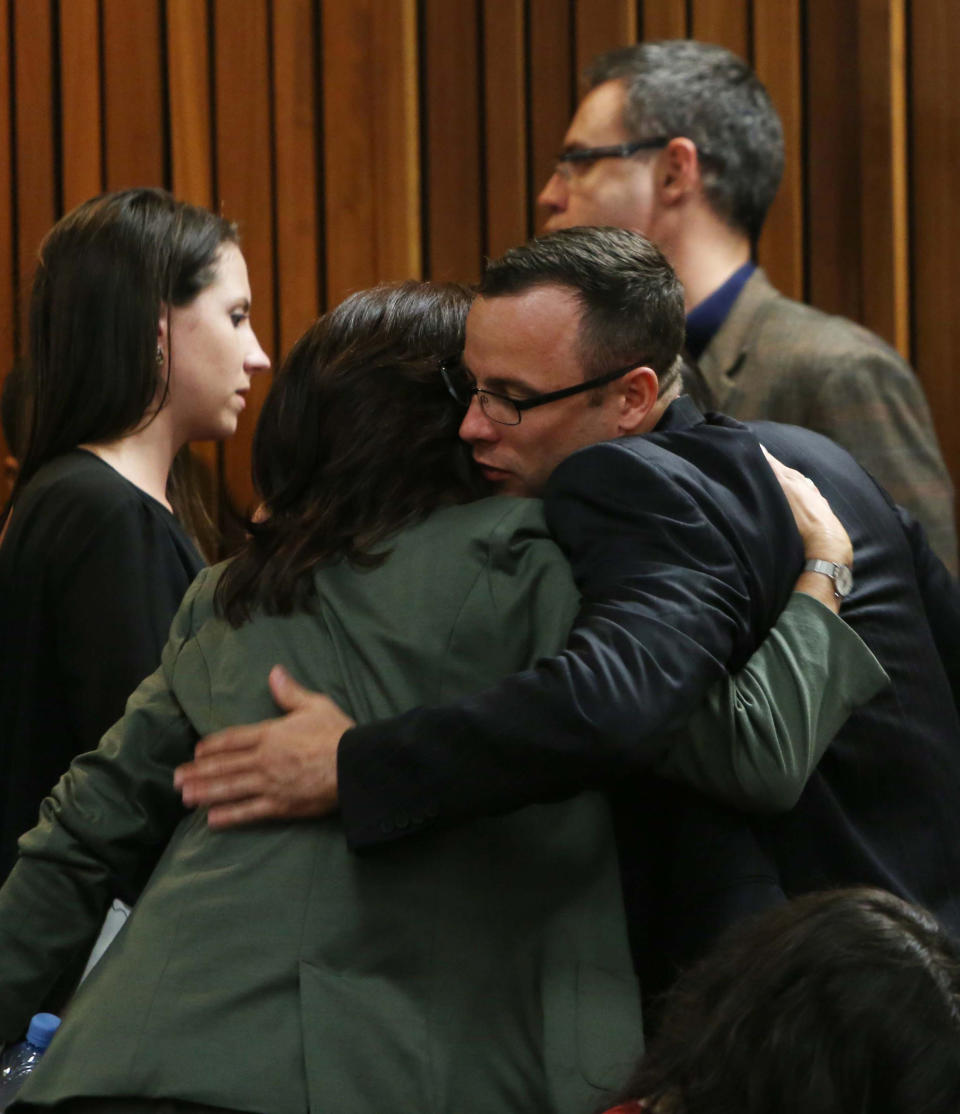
pixel 80 82
pixel 371 177
pixel 244 147
pixel 361 140
pixel 602 25
pixel 134 110
pixel 36 203
pixel 505 125
pixel 7 258
pixel 665 19
pixel 191 159
pixel 189 101
pixel 723 22
pixel 777 58
pixel 883 170
pixel 455 220
pixel 832 158
pixel 295 127
pixel 553 85
pixel 935 186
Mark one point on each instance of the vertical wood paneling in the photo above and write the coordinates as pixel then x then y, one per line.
pixel 553 88
pixel 304 120
pixel 505 117
pixel 189 93
pixel 80 101
pixel 665 19
pixel 935 181
pixel 602 25
pixel 191 161
pixel 832 158
pixel 397 140
pixel 778 51
pixel 454 173
pixel 723 22
pixel 243 153
pixel 295 126
pixel 371 151
pixel 883 166
pixel 133 110
pixel 7 261
pixel 34 110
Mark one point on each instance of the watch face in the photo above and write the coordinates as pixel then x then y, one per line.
pixel 843 580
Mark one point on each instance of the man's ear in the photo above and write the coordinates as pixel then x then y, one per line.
pixel 639 390
pixel 679 170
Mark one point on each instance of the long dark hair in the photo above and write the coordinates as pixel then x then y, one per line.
pixel 836 1002
pixel 357 438
pixel 105 271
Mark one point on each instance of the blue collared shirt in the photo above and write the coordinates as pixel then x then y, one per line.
pixel 705 319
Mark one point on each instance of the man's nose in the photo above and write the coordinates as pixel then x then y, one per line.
pixel 553 196
pixel 476 426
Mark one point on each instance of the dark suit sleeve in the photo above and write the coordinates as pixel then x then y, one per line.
pixel 941 599
pixel 664 605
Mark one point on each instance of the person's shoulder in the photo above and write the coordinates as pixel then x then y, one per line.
pixel 802 333
pixel 494 516
pixel 72 499
pixel 78 476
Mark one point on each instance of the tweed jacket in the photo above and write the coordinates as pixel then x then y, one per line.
pixel 782 361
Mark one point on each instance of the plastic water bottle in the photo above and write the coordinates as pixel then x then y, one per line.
pixel 19 1060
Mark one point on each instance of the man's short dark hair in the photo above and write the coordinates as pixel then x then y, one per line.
pixel 706 94
pixel 631 298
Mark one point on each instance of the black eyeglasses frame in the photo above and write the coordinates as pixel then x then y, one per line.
pixel 522 404
pixel 616 151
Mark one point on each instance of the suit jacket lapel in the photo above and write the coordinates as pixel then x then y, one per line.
pixel 725 354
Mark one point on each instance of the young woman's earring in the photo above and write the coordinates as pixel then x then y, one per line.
pixel 159 356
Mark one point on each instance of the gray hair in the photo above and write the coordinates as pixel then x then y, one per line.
pixel 704 93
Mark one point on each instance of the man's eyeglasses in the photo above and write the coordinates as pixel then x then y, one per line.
pixel 582 157
pixel 503 409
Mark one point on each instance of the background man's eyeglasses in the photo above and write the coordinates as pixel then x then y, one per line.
pixel 505 410
pixel 582 157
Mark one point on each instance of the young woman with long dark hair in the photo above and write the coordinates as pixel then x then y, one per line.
pixel 140 341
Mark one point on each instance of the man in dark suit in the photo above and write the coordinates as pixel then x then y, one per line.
pixel 684 551
pixel 679 140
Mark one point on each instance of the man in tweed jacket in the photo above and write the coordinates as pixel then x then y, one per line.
pixel 679 140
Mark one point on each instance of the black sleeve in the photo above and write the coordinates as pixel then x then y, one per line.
pixel 664 603
pixel 940 593
pixel 115 606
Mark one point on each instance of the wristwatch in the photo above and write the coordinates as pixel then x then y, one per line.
pixel 841 575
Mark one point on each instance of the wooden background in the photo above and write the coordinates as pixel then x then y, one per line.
pixel 360 140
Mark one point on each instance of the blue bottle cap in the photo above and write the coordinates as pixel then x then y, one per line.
pixel 42 1028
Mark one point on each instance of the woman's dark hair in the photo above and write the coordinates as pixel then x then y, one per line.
pixel 14 407
pixel 104 274
pixel 838 1002
pixel 357 438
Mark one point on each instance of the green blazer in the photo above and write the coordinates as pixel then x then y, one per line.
pixel 269 969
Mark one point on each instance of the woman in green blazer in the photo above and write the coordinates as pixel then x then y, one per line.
pixel 268 969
